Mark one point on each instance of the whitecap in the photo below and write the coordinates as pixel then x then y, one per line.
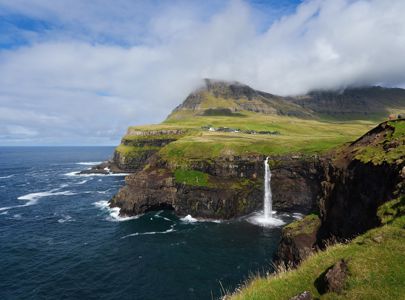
pixel 77 173
pixel 161 217
pixel 66 218
pixel 171 229
pixel 114 212
pixel 89 163
pixel 83 181
pixel 5 177
pixel 103 192
pixel 190 219
pixel 4 213
pixel 32 198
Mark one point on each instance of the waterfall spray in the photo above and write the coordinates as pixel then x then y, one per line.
pixel 267 200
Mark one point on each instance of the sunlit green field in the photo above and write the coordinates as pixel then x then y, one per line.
pixel 302 136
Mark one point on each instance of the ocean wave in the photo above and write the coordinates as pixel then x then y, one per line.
pixel 34 197
pixel 89 163
pixel 17 216
pixel 171 229
pixel 190 219
pixel 77 173
pixel 5 177
pixel 114 212
pixel 161 217
pixel 83 181
pixel 65 218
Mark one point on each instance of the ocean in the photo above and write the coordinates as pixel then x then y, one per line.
pixel 59 239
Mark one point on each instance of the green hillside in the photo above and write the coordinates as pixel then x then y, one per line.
pixel 224 119
pixel 375 262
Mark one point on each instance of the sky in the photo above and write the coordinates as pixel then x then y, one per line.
pixel 79 72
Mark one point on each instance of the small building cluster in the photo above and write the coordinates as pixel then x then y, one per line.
pixel 236 130
pixel 396 116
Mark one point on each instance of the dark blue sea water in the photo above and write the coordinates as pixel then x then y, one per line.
pixel 59 241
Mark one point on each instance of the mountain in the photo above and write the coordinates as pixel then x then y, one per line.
pixel 229 98
pixel 233 98
pixel 355 103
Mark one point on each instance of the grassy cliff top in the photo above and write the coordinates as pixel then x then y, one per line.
pixel 244 121
pixel 375 260
pixel 293 135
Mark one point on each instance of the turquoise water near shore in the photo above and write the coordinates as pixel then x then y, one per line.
pixel 59 240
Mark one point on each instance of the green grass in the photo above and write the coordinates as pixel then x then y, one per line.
pixel 375 259
pixel 399 129
pixel 381 152
pixel 132 151
pixel 304 226
pixel 191 177
pixel 296 136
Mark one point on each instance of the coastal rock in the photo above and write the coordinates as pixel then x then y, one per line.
pixel 334 278
pixel 234 187
pixel 298 241
pixel 358 183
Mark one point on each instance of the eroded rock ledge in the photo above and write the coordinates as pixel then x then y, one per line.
pixel 223 188
pixel 358 178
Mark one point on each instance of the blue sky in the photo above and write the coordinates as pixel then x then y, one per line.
pixel 77 72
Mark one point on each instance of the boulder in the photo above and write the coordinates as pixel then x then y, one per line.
pixel 303 296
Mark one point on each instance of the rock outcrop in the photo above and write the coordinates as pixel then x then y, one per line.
pixel 233 187
pixel 358 178
pixel 299 240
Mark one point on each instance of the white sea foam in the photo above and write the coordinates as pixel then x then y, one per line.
pixel 190 219
pixel 32 198
pixel 10 207
pixel 89 163
pixel 171 229
pixel 65 218
pixel 114 212
pixel 5 177
pixel 83 181
pixel 161 217
pixel 261 220
pixel 77 173
pixel 297 216
pixel 103 192
pixel 4 213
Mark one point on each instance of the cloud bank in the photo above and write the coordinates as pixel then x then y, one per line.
pixel 80 72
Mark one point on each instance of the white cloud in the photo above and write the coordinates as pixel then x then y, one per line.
pixel 71 89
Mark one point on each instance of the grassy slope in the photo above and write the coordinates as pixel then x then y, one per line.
pixel 296 136
pixel 376 263
pixel 380 152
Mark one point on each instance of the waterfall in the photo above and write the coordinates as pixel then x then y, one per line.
pixel 267 200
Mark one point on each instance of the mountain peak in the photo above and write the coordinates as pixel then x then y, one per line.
pixel 220 97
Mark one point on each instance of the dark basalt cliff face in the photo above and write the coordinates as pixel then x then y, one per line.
pixel 234 187
pixel 361 177
pixel 357 180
